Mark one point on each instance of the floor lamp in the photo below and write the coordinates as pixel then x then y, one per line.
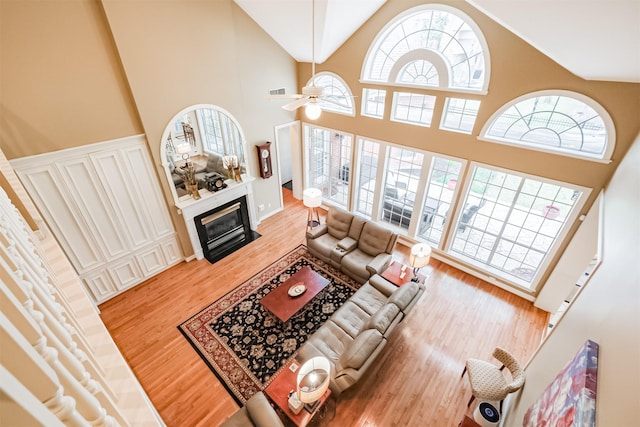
pixel 312 198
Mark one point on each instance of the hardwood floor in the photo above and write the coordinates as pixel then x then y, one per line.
pixel 415 381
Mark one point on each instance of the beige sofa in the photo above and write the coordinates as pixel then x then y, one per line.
pixel 355 334
pixel 256 412
pixel 358 247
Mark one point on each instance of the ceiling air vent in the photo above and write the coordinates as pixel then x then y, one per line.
pixel 277 91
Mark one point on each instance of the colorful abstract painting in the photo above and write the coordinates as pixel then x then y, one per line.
pixel 570 400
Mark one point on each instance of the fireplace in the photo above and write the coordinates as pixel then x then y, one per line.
pixel 224 229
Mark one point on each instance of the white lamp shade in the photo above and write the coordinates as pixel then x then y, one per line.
pixel 312 110
pixel 312 197
pixel 420 255
pixel 313 379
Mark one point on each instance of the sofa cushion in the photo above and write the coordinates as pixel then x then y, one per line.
pixel 383 318
pixel 374 239
pixel 338 222
pixel 358 351
pixel 351 318
pixel 403 296
pixel 369 298
pixel 330 340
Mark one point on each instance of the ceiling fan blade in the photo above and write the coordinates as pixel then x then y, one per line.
pixel 295 104
pixel 285 96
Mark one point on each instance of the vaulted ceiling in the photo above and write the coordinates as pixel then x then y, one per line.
pixel 594 39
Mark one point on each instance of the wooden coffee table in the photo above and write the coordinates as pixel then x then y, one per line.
pixel 278 391
pixel 284 306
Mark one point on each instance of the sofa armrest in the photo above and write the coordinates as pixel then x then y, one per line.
pixel 261 412
pixel 379 263
pixel 317 231
pixel 347 244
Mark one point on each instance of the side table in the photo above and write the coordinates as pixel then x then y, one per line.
pixel 393 274
pixel 278 392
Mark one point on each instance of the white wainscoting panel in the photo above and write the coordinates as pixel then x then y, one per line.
pixel 44 186
pixel 104 204
pixel 151 261
pixel 88 196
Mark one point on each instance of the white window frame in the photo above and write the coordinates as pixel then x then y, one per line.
pixel 492 272
pixel 329 101
pixel 605 157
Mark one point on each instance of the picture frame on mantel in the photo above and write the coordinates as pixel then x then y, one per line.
pixel 570 400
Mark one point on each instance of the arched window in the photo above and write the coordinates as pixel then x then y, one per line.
pixel 560 121
pixel 430 46
pixel 336 96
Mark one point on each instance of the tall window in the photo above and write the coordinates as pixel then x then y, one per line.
pixel 510 221
pixel 430 45
pixel 368 155
pixel 402 175
pixel 328 155
pixel 559 121
pixel 442 185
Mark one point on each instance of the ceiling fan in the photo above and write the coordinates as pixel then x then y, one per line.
pixel 312 93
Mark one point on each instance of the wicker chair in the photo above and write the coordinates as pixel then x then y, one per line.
pixel 488 382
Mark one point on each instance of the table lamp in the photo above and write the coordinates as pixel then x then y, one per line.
pixel 418 258
pixel 312 198
pixel 313 381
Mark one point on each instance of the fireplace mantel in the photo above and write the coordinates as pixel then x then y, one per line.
pixel 189 208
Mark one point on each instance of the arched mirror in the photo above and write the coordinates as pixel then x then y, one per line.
pixel 207 142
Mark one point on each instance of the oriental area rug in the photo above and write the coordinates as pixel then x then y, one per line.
pixel 244 344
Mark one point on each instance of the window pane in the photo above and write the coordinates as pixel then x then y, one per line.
pixel 373 102
pixel 419 73
pixel 336 96
pixel 367 171
pixel 329 160
pixel 509 222
pixel 443 180
pixel 553 122
pixel 459 115
pixel 401 183
pixel 413 108
pixel 427 30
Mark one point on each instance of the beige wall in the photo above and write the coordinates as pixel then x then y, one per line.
pixel 607 311
pixel 181 53
pixel 61 81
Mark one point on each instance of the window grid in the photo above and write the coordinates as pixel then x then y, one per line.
pixel 554 122
pixel 509 222
pixel 446 31
pixel 460 115
pixel 373 101
pixel 329 160
pixel 419 73
pixel 367 172
pixel 401 183
pixel 336 96
pixel 443 180
pixel 413 108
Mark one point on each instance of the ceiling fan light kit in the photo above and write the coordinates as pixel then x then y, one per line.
pixel 313 110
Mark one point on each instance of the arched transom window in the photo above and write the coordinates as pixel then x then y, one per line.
pixel 561 121
pixel 430 46
pixel 336 96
